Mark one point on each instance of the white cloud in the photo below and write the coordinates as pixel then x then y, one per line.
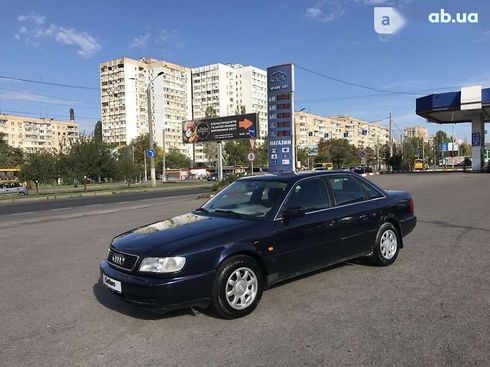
pixel 30 97
pixel 32 17
pixel 86 44
pixel 325 11
pixel 140 41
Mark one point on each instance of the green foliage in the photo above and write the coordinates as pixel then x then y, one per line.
pixel 210 150
pixel 39 168
pixel 303 157
pixel 340 152
pixel 210 112
pixel 396 162
pixel 218 186
pixel 98 131
pixel 126 170
pixel 236 152
pixel 9 157
pixel 175 159
pixel 88 159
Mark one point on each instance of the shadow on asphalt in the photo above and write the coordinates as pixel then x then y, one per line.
pixel 452 225
pixel 111 301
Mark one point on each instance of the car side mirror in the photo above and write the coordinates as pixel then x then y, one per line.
pixel 293 212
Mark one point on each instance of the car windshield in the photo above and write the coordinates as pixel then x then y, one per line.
pixel 247 199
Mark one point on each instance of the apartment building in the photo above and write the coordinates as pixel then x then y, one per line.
pixel 229 89
pixel 124 106
pixel 37 134
pixel 416 132
pixel 310 128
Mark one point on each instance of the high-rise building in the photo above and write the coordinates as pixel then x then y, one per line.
pixel 228 89
pixel 416 132
pixel 33 134
pixel 124 104
pixel 310 128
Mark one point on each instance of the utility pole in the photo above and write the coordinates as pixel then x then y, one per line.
pixel 164 170
pixel 390 137
pixel 220 161
pixel 150 130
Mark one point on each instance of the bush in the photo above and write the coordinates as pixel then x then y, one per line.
pixel 218 186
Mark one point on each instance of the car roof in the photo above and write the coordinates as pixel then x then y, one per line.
pixel 293 176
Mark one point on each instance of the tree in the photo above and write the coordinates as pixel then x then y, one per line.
pixel 10 157
pixel 210 112
pixel 236 152
pixel 98 131
pixel 303 157
pixel 88 159
pixel 439 138
pixel 175 159
pixel 465 149
pixel 127 170
pixel 39 168
pixel 262 154
pixel 339 150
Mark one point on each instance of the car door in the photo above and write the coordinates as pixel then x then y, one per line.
pixel 298 240
pixel 354 214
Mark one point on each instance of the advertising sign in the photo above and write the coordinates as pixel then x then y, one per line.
pixel 220 128
pixel 280 96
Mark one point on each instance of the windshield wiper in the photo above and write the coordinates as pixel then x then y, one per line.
pixel 230 212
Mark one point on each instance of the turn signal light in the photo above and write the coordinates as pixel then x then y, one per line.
pixel 412 208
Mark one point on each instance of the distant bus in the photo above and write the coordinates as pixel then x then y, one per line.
pixel 9 174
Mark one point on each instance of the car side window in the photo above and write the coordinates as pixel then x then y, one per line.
pixel 346 190
pixel 309 195
pixel 371 192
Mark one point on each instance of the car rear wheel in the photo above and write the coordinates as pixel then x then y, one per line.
pixel 238 287
pixel 387 245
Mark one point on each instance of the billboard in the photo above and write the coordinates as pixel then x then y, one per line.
pixel 280 96
pixel 220 128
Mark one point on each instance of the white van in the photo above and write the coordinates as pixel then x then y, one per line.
pixel 12 188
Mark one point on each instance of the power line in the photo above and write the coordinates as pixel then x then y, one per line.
pixel 49 83
pixel 351 83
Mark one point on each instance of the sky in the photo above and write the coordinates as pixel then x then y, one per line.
pixel 64 42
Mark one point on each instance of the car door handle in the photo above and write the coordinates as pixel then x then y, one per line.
pixel 345 220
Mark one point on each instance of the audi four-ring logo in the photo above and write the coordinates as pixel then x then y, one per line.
pixel 118 259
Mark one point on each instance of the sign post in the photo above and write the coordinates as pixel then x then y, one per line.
pixel 280 96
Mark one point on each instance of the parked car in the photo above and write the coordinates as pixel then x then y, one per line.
pixel 213 177
pixel 258 231
pixel 13 188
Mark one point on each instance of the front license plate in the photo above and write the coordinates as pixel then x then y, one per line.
pixel 113 284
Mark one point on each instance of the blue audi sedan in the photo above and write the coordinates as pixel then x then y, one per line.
pixel 256 232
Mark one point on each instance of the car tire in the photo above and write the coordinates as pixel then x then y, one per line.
pixel 386 246
pixel 238 287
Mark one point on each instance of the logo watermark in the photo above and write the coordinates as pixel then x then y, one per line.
pixel 446 18
pixel 387 20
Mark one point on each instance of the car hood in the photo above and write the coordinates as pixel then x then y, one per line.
pixel 168 236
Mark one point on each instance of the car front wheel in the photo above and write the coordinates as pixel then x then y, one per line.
pixel 238 287
pixel 387 245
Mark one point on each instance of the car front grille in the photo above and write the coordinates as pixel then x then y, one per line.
pixel 122 260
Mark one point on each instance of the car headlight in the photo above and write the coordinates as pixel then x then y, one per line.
pixel 162 264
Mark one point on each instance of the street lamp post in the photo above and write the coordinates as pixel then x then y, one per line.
pixel 150 130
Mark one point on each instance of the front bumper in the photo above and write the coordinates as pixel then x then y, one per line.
pixel 408 225
pixel 162 293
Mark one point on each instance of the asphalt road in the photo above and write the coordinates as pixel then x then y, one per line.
pixel 41 204
pixel 430 308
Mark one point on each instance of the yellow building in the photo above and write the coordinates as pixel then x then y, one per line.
pixel 416 132
pixel 310 128
pixel 37 134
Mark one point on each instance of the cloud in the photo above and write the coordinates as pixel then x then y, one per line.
pixel 30 97
pixel 325 11
pixel 86 44
pixel 32 17
pixel 164 36
pixel 140 41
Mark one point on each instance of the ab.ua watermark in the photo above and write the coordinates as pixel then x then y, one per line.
pixel 388 21
pixel 445 18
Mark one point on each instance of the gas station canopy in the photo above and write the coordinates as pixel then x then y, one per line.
pixel 446 108
pixel 470 104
